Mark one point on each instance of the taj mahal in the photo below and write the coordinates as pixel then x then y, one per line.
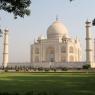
pixel 58 49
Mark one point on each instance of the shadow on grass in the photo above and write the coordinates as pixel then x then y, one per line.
pixel 28 93
pixel 48 85
pixel 45 93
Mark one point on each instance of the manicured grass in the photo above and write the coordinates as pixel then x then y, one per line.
pixel 50 83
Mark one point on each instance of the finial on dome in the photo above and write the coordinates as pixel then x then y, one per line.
pixel 56 17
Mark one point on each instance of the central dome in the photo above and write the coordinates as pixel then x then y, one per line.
pixel 56 30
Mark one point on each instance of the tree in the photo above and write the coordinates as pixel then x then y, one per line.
pixel 93 22
pixel 71 0
pixel 17 7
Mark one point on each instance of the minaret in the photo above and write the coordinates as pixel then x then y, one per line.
pixel 5 50
pixel 94 50
pixel 89 47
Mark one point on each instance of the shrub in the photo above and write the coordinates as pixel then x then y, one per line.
pixel 64 69
pixel 6 69
pixel 86 66
pixel 40 69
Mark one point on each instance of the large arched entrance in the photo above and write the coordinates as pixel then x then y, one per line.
pixel 50 54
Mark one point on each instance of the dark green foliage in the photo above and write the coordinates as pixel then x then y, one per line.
pixel 40 69
pixel 64 69
pixel 93 22
pixel 1 33
pixel 6 70
pixel 17 7
pixel 86 66
pixel 71 0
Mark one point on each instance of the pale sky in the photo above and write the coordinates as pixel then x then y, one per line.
pixel 43 13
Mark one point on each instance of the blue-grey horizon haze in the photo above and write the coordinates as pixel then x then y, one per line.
pixel 43 13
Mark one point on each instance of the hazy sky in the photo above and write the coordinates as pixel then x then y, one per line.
pixel 43 13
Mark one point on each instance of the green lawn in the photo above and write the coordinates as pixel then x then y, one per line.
pixel 50 83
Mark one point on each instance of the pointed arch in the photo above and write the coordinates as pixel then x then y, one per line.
pixel 36 50
pixel 50 52
pixel 63 49
pixel 71 49
pixel 36 59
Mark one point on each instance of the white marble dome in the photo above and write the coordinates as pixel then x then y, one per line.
pixel 56 30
